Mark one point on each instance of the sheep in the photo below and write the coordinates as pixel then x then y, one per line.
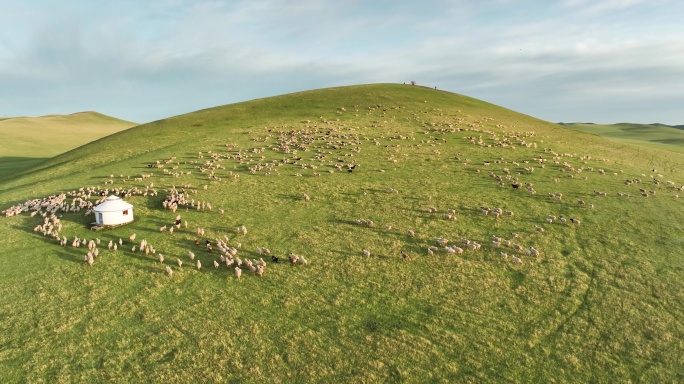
pixel 161 258
pixel 199 265
pixel 192 255
pixel 305 197
pixel 169 271
pixel 294 259
pixel 538 229
pixel 366 253
pixel 260 270
pixel 238 272
pixel 162 229
pixel 133 249
pixel 120 241
pixel 575 221
pixel 109 245
pixel 180 262
pixel 216 264
pixel 405 256
pixel 516 259
pixel 411 233
pixel 114 247
pixel 89 259
pixel 242 230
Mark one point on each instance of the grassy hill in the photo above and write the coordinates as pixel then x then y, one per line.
pixel 659 136
pixel 29 140
pixel 597 298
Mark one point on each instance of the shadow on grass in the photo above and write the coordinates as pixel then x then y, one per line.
pixel 10 167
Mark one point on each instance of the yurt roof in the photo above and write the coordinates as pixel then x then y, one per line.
pixel 112 204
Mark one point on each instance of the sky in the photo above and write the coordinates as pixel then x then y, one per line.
pixel 601 61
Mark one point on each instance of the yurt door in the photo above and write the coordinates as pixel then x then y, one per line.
pixel 99 218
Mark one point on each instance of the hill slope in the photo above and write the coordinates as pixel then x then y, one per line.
pixel 30 140
pixel 327 175
pixel 654 135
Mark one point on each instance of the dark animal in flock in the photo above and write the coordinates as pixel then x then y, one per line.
pixel 515 186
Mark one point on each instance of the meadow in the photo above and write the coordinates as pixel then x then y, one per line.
pixel 27 141
pixel 669 138
pixel 602 302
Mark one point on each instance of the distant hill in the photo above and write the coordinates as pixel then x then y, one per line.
pixel 30 140
pixel 655 135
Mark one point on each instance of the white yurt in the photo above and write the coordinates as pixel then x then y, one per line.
pixel 113 211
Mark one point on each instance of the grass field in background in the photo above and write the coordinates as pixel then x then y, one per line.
pixel 27 141
pixel 652 135
pixel 602 302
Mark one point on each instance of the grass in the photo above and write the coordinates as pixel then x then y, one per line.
pixel 602 303
pixel 653 135
pixel 27 141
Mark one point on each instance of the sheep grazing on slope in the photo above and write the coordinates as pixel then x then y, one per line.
pixel 120 241
pixel 260 270
pixel 575 221
pixel 366 253
pixel 169 271
pixel 411 233
pixel 161 258
pixel 216 264
pixel 405 256
pixel 180 262
pixel 538 229
pixel 192 255
pixel 199 265
pixel 305 197
pixel 162 229
pixel 89 259
pixel 238 272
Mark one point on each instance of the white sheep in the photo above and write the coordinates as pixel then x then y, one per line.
pixel 180 262
pixel 238 272
pixel 169 271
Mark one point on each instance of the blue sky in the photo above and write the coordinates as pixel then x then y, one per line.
pixel 603 61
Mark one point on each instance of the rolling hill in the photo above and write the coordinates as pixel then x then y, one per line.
pixel 30 140
pixel 659 136
pixel 447 240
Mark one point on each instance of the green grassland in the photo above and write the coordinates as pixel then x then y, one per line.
pixel 653 135
pixel 27 141
pixel 603 302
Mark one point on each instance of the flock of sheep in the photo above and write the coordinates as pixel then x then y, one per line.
pixel 318 145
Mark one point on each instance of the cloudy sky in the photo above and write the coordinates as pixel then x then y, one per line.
pixel 603 61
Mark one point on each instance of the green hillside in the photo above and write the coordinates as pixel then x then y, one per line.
pixel 573 275
pixel 653 135
pixel 29 140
